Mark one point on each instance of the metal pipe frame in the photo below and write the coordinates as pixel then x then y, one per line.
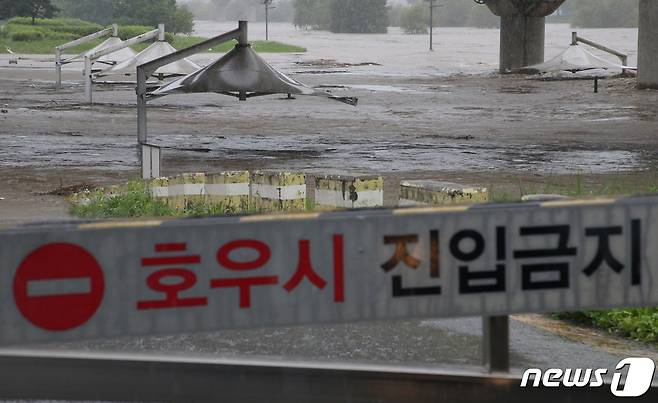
pixel 575 39
pixel 145 70
pixel 156 33
pixel 79 376
pixel 114 30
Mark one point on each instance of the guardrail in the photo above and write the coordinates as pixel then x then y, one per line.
pixel 84 376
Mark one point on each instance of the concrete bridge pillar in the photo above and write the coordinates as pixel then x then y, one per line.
pixel 522 30
pixel 647 63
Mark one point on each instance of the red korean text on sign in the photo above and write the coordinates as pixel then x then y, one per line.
pixel 171 268
pixel 305 269
pixel 244 283
pixel 58 287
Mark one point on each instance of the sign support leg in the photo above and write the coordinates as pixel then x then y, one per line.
pixel 495 343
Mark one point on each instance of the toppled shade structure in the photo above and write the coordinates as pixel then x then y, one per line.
pixel 575 59
pixel 154 51
pixel 113 58
pixel 243 74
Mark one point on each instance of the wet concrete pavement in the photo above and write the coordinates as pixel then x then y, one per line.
pixel 444 343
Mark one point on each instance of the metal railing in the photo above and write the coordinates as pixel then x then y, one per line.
pixel 124 377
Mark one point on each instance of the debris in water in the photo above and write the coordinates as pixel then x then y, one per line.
pixel 322 72
pixel 331 63
pixel 67 190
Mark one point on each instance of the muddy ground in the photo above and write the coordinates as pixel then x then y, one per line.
pixel 487 130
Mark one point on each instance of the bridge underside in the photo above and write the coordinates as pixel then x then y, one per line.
pixel 647 63
pixel 522 38
pixel 522 24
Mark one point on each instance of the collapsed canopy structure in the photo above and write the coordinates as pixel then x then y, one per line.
pixel 240 73
pixel 575 59
pixel 113 58
pixel 154 51
pixel 243 74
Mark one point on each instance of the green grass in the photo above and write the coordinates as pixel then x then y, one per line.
pixel 46 46
pixel 134 200
pixel 131 200
pixel 184 41
pixel 19 35
pixel 639 323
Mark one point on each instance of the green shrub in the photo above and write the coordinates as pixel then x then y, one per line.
pixel 639 323
pixel 131 200
pixel 52 22
pixel 414 19
pixel 25 34
pixel 134 199
pixel 21 29
pixel 77 31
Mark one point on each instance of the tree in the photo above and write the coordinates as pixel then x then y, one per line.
pixel 453 13
pixel 134 12
pixel 6 9
pixel 312 14
pixel 182 20
pixel 283 12
pixel 27 8
pixel 98 11
pixel 358 16
pixel 413 20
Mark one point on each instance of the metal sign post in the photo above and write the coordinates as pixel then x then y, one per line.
pixel 432 7
pixel 495 344
pixel 151 158
pixel 268 6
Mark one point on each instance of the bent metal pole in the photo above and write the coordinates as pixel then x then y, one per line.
pixel 144 71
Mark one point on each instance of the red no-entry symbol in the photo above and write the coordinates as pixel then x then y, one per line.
pixel 58 286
